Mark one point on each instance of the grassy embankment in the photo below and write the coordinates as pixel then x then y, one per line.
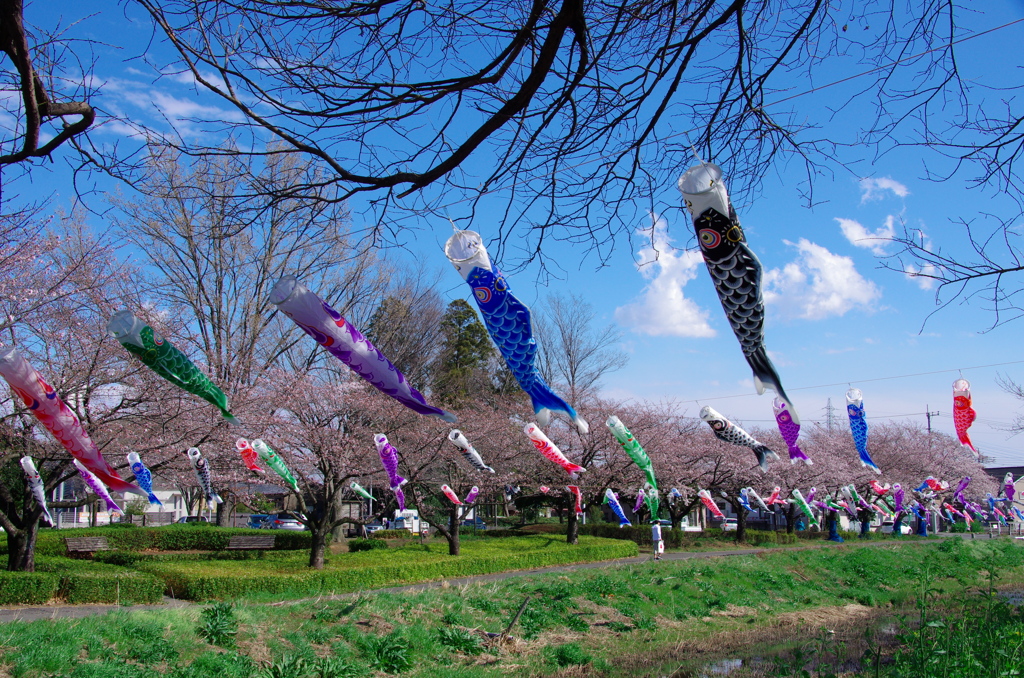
pixel 624 620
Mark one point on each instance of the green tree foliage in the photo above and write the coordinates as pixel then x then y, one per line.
pixel 466 350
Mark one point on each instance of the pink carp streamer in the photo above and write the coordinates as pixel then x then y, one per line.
pixel 880 490
pixel 317 319
pixel 550 451
pixel 577 498
pixel 249 455
pixel 450 493
pixel 57 418
pixel 706 499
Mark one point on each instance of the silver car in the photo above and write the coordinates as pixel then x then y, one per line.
pixel 283 521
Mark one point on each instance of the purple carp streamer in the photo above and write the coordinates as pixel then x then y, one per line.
pixel 35 485
pixel 734 269
pixel 389 458
pixel 96 485
pixel 342 340
pixel 641 497
pixel 473 493
pixel 508 322
pixel 790 431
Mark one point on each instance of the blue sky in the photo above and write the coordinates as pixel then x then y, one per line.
pixel 834 316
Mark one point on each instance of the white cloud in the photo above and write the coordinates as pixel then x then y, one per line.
pixel 920 275
pixel 818 284
pixel 859 236
pixel 874 188
pixel 662 308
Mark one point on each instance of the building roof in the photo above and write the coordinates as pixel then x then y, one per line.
pixel 1000 472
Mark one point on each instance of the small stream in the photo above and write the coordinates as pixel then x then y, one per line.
pixel 843 650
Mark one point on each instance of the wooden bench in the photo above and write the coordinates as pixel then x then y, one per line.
pixel 86 545
pixel 247 543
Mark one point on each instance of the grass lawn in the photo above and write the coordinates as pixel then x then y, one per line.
pixel 620 621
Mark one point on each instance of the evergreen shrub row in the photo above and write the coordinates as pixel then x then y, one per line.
pixel 226 580
pixel 167 538
pixel 78 582
pixel 356 545
pixel 641 534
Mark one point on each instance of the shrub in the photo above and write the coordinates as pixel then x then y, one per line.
pixel 459 640
pixel 222 580
pixel 120 587
pixel 569 654
pixel 502 533
pixel 392 534
pixel 168 538
pixel 390 653
pixel 218 625
pixel 356 545
pixel 83 581
pixel 27 588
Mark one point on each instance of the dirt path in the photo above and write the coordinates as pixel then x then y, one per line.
pixel 77 611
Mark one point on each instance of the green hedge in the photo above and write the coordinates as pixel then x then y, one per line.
pixel 75 581
pixel 378 569
pixel 392 534
pixel 356 545
pixel 168 538
pixel 641 534
pixel 27 588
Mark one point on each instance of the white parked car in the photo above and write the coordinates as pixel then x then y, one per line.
pixel 886 528
pixel 728 525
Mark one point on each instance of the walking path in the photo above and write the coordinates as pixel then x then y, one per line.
pixel 79 611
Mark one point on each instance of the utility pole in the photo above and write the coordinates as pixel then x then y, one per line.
pixel 928 413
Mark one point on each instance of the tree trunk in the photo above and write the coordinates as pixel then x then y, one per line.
pixel 224 510
pixel 338 532
pixel 741 523
pixel 572 530
pixel 21 549
pixel 95 510
pixel 790 519
pixel 318 549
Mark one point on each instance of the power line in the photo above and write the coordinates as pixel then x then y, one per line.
pixel 866 381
